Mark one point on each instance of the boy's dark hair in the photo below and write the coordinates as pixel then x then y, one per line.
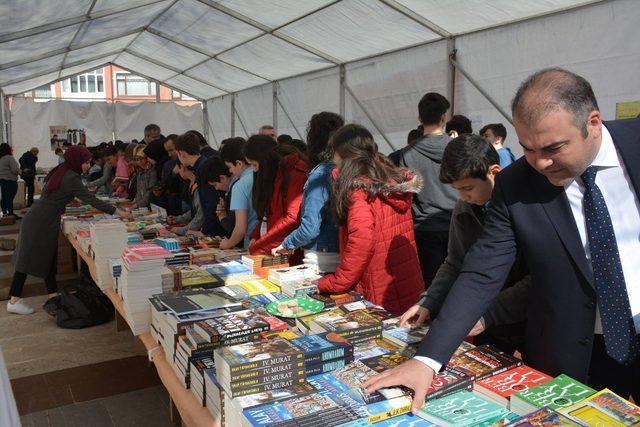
pixel 233 150
pixel 211 170
pixel 467 156
pixel 497 129
pixel 320 128
pixel 109 151
pixel 151 127
pixel 460 124
pixel 172 136
pixel 188 142
pixel 431 107
pixel 201 139
pixel 300 145
pixel 414 135
pixel 284 139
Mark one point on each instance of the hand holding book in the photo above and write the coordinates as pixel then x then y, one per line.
pixel 414 316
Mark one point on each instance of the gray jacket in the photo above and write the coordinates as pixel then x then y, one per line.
pixel 146 180
pixel 104 182
pixel 466 225
pixel 9 168
pixel 432 206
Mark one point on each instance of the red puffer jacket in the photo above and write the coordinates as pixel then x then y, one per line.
pixel 284 209
pixel 378 255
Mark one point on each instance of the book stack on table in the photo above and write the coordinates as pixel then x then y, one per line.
pixel 108 240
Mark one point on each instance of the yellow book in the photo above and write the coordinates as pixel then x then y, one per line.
pixel 605 408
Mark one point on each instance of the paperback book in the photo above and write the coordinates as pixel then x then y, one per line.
pixel 544 417
pixel 501 387
pixel 461 409
pixel 605 408
pixel 483 361
pixel 558 393
pixel 323 347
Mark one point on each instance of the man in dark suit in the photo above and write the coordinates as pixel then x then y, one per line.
pixel 571 207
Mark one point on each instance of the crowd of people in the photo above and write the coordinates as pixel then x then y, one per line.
pixel 446 228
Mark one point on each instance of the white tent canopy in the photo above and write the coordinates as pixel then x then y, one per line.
pixel 264 61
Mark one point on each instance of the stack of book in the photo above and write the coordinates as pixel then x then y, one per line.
pixel 115 266
pixel 108 240
pixel 337 300
pixel 249 288
pixel 556 394
pixel 287 277
pixel 499 388
pixel 261 264
pixel 192 276
pixel 259 366
pixel 179 259
pixel 168 243
pixel 140 280
pixel 235 328
pixel 324 352
pixel 198 371
pixel 482 362
pixel 230 272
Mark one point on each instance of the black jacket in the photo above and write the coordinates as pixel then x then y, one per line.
pixel 531 215
pixel 28 165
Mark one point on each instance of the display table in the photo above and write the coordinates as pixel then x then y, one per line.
pixel 190 410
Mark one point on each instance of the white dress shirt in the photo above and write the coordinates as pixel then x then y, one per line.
pixel 624 210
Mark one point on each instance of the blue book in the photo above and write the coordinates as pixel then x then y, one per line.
pixel 405 420
pixel 323 347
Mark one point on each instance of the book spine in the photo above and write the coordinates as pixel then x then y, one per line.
pixel 322 368
pixel 326 355
pixel 279 377
pixel 267 387
pixel 235 334
pixel 375 330
pixel 268 372
pixel 293 357
pixel 381 416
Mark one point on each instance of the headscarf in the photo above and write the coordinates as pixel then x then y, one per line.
pixel 5 149
pixel 155 150
pixel 74 158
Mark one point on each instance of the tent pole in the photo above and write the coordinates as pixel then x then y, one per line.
pixel 233 115
pixel 205 127
pixel 157 91
pixel 284 110
pixel 236 113
pixel 342 97
pixel 3 135
pixel 451 75
pixel 274 108
pixel 482 91
pixel 366 113
pixel 207 122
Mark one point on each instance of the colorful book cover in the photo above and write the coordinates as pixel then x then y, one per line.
pixel 304 322
pixel 463 408
pixel 323 347
pixel 356 373
pixel 372 348
pixel 384 362
pixel 500 420
pixel 406 335
pixel 605 408
pixel 448 382
pixel 258 399
pixel 329 366
pixel 250 288
pixel 558 393
pixel 463 347
pixel 336 300
pixel 231 325
pixel 254 355
pixel 328 384
pixel 352 324
pixel 544 417
pixel 483 361
pixel 405 420
pixel 513 381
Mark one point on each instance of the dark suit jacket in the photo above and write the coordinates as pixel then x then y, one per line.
pixel 530 214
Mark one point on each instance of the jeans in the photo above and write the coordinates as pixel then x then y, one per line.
pixel 29 184
pixel 9 189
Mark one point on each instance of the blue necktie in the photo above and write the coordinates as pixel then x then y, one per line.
pixel 617 322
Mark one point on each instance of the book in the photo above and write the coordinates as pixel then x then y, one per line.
pixel 404 420
pixel 544 417
pixel 230 272
pixel 286 371
pixel 323 347
pixel 194 301
pixel 405 336
pixel 463 408
pixel 500 420
pixel 356 373
pixel 604 408
pixel 373 347
pixel 501 387
pixel 337 300
pixel 483 361
pixel 274 383
pixel 558 393
pixel 222 329
pixel 356 325
pixel 313 409
pixel 249 288
pixel 255 355
pixel 324 367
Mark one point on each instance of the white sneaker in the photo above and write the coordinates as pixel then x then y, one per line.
pixel 21 307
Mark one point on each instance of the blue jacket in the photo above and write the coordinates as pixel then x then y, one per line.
pixel 209 197
pixel 317 230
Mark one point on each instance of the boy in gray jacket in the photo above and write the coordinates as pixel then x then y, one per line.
pixel 470 165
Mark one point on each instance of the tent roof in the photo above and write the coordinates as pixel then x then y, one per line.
pixel 208 48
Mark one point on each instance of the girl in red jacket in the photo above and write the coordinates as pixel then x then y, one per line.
pixel 372 205
pixel 281 172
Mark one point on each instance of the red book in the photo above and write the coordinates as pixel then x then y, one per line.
pixel 499 388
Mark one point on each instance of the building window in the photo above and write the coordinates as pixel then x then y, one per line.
pixel 43 92
pixel 132 85
pixel 91 82
pixel 175 95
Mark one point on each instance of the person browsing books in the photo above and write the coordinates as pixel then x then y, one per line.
pixel 372 206
pixel 317 233
pixel 37 246
pixel 470 165
pixel 571 206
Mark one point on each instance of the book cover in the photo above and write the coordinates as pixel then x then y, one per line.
pixel 404 420
pixel 353 324
pixel 232 325
pixel 336 300
pixel 263 387
pixel 605 408
pixel 253 355
pixel 373 347
pixel 250 288
pixel 258 399
pixel 502 386
pixel 323 347
pixel 324 367
pixel 356 373
pixel 558 393
pixel 544 417
pixel 267 374
pixel 463 408
pixel 483 361
pixel 182 303
pixel 500 420
pixel 405 336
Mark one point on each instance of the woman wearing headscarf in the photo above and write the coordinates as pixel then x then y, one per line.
pixel 37 246
pixel 9 171
pixel 146 178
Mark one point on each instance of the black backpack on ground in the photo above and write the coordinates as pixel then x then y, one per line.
pixel 80 306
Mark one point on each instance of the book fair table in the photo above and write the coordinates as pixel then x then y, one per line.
pixel 189 410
